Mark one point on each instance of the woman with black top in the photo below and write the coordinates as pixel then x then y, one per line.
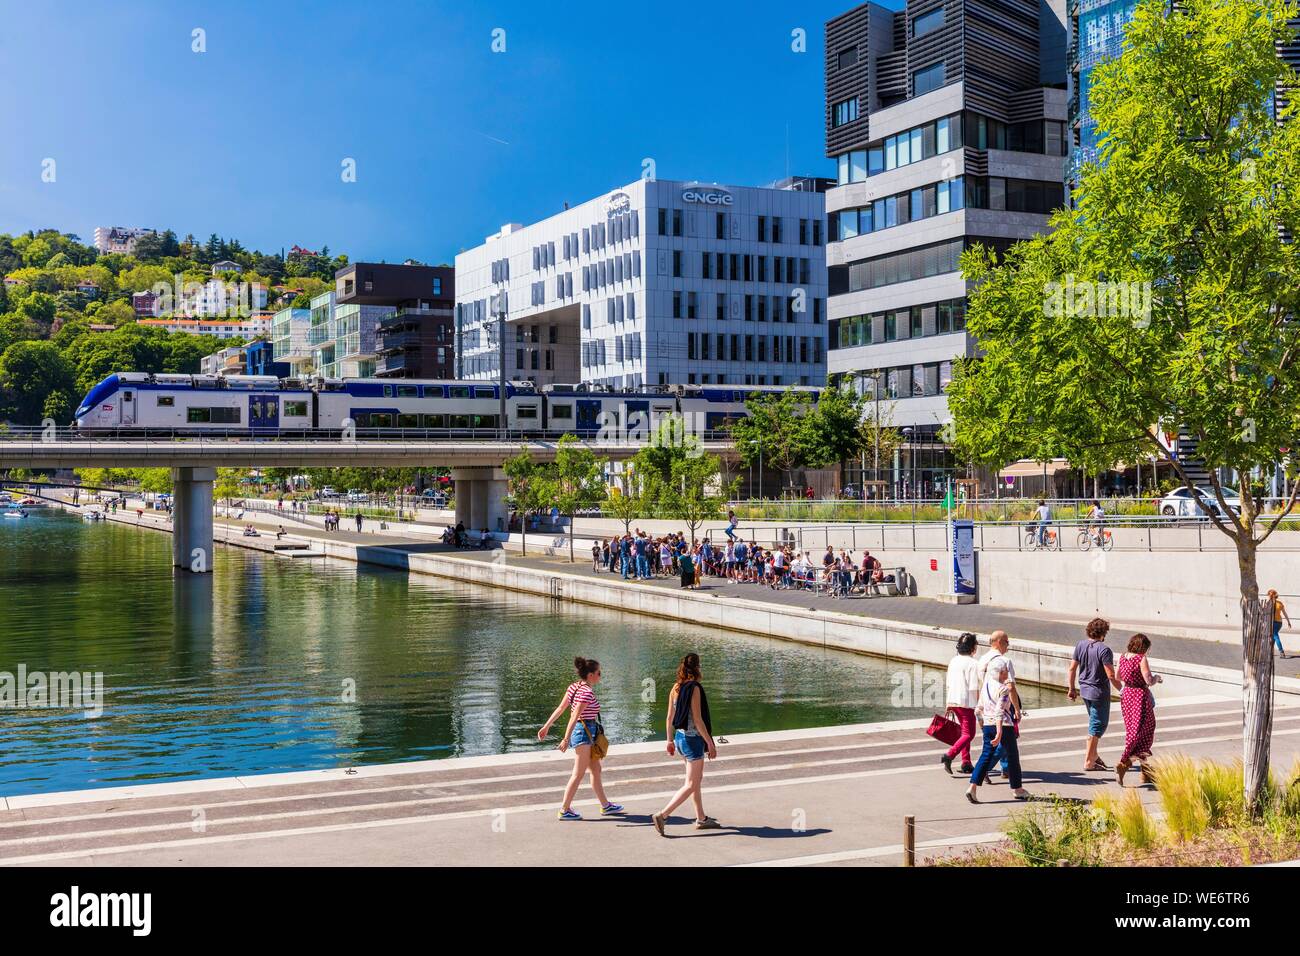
pixel 690 733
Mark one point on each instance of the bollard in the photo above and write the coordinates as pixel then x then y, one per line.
pixel 909 840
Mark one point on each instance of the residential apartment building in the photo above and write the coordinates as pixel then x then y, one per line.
pixel 947 123
pixel 343 337
pixel 417 338
pixel 219 298
pixel 118 239
pixel 289 332
pixel 251 327
pixel 658 282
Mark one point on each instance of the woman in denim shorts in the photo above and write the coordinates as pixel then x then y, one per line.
pixel 579 734
pixel 690 734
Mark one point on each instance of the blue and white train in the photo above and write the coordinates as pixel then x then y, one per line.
pixel 144 403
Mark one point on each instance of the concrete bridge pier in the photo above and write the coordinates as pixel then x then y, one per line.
pixel 481 498
pixel 192 518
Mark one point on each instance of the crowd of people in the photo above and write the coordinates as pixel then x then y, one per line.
pixel 984 689
pixel 642 557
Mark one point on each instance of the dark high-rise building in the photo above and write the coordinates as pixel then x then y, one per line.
pixel 415 336
pixel 947 123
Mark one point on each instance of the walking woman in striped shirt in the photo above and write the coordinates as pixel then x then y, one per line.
pixel 581 732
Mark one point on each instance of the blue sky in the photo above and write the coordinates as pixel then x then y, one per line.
pixel 450 139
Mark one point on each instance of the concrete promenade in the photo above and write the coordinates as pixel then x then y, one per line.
pixel 915 613
pixel 832 796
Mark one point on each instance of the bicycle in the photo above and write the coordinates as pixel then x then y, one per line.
pixel 1101 538
pixel 1050 541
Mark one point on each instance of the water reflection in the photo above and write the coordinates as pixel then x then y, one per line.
pixel 272 664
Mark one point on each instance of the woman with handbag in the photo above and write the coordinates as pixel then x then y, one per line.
pixel 690 733
pixel 963 696
pixel 585 735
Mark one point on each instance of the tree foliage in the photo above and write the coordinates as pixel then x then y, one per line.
pixel 1196 178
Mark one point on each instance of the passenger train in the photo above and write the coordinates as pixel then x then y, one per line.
pixel 144 403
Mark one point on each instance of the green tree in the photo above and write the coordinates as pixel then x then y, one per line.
pixel 1196 178
pixel 695 492
pixel 775 431
pixel 628 501
pixel 579 481
pixel 530 487
pixel 31 374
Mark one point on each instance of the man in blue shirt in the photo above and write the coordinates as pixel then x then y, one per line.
pixel 1092 675
pixel 625 554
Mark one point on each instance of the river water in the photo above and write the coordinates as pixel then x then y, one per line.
pixel 272 664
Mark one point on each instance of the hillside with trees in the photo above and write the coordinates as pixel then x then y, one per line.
pixel 58 287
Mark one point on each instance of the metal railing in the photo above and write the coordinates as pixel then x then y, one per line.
pixel 324 435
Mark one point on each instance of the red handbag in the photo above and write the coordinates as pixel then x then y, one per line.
pixel 944 730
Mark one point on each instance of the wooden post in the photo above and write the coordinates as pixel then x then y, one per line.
pixel 909 840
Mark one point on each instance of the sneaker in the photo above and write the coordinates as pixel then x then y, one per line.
pixel 708 823
pixel 568 815
pixel 611 808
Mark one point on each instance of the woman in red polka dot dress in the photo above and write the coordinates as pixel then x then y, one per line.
pixel 1138 704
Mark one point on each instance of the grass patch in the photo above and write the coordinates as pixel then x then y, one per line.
pixel 1201 821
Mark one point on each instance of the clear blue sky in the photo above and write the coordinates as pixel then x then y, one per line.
pixel 450 139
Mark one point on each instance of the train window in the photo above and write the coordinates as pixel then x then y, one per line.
pixel 408 391
pixel 561 411
pixel 127 396
pixel 381 420
pixel 225 416
pixel 459 421
pixel 295 409
pixel 388 391
pixel 459 391
pixel 528 411
pixel 485 421
pixel 196 416
pixel 166 401
pixel 434 421
pixel 408 421
pixel 485 392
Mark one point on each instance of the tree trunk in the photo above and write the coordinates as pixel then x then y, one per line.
pixel 570 539
pixel 1256 680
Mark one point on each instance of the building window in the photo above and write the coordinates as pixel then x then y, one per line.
pixel 846 58
pixel 927 22
pixel 845 111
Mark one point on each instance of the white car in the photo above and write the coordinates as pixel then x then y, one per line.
pixel 1180 503
pixel 354 495
pixel 328 492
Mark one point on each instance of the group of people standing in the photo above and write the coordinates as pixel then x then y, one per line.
pixel 986 687
pixel 688 728
pixel 640 557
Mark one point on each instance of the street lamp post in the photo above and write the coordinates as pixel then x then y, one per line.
pixel 501 362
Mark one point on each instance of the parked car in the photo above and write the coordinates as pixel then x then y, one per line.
pixel 329 492
pixel 1180 503
pixel 355 495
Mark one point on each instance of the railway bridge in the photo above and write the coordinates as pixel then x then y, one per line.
pixel 475 464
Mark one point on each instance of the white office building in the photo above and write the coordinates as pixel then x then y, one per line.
pixel 657 282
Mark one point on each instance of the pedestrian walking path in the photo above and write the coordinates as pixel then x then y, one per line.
pixel 830 796
pixel 981 619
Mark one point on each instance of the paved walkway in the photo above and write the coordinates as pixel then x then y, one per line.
pixel 979 618
pixel 835 796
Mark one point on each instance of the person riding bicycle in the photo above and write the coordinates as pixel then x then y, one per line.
pixel 1044 515
pixel 1096 522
